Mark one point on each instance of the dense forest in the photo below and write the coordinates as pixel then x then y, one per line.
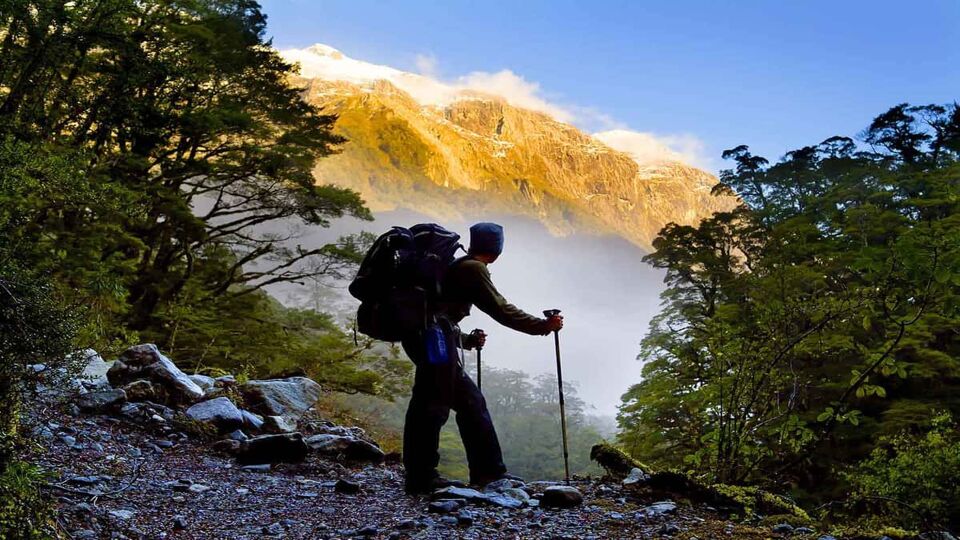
pixel 810 339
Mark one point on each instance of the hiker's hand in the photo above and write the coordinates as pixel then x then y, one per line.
pixel 476 339
pixel 555 323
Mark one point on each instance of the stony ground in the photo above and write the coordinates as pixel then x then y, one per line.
pixel 119 480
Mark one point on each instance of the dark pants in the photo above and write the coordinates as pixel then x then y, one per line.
pixel 436 390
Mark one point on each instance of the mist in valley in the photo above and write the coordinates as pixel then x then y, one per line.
pixel 607 294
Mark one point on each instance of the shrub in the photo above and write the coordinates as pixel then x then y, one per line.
pixel 913 478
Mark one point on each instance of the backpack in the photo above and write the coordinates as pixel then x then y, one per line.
pixel 400 278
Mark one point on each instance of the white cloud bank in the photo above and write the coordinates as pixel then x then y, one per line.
pixel 325 62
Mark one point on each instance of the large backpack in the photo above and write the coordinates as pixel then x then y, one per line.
pixel 399 280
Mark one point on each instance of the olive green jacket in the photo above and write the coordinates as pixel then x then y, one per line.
pixel 468 283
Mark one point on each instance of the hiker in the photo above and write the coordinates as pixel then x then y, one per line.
pixel 439 387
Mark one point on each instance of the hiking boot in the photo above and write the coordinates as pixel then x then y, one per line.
pixel 422 487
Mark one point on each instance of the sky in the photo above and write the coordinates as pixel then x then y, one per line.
pixel 700 76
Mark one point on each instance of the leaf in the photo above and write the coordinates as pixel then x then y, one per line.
pixel 867 322
pixel 879 391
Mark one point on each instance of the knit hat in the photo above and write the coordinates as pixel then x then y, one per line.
pixel 486 238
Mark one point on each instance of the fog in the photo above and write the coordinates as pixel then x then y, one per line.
pixel 607 294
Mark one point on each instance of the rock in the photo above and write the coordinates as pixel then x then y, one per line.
pixel 84 534
pixel 661 508
pixel 561 497
pixel 143 390
pixel 937 535
pixel 198 488
pixel 220 413
pixel 278 424
pixel 237 435
pixel 348 487
pixel 84 480
pixel 205 383
pixel 826 537
pixel 465 518
pixel 503 501
pixel 518 494
pixel 283 448
pixel 289 398
pixel 69 440
pixel 454 492
pixel 121 514
pixel 101 400
pixel 274 529
pixel 147 362
pixel 348 447
pixel 502 484
pixel 367 530
pixel 261 468
pixel 227 446
pixel 251 421
pixel 179 523
pixel 94 372
pixel 636 477
pixel 224 381
pixel 668 529
pixel 783 528
pixel 803 530
pixel 445 506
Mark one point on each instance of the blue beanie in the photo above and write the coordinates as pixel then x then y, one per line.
pixel 486 238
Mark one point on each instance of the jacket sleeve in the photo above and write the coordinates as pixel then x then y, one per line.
pixel 485 296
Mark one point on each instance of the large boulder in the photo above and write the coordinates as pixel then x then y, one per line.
pixel 289 398
pixel 346 447
pixel 282 448
pixel 147 362
pixel 220 413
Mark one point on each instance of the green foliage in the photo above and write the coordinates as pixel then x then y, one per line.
pixel 814 319
pixel 34 329
pixel 25 513
pixel 913 476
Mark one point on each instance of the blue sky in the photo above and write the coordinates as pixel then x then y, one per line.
pixel 773 75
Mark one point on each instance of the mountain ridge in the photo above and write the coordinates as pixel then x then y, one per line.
pixel 474 154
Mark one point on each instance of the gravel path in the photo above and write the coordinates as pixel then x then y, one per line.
pixel 118 480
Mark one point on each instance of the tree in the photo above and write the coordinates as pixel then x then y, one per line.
pixel 815 318
pixel 187 116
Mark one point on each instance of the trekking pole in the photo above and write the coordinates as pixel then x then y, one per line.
pixel 479 379
pixel 563 414
pixel 476 334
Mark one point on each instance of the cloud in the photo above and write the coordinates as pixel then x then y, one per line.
pixel 323 61
pixel 646 147
pixel 426 65
pixel 515 90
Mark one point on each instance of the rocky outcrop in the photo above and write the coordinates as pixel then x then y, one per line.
pixel 146 362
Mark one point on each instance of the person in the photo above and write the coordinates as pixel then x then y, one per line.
pixel 440 387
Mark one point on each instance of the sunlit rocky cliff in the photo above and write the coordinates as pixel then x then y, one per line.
pixel 472 154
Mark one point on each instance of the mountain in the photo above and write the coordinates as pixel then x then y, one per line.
pixel 454 152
